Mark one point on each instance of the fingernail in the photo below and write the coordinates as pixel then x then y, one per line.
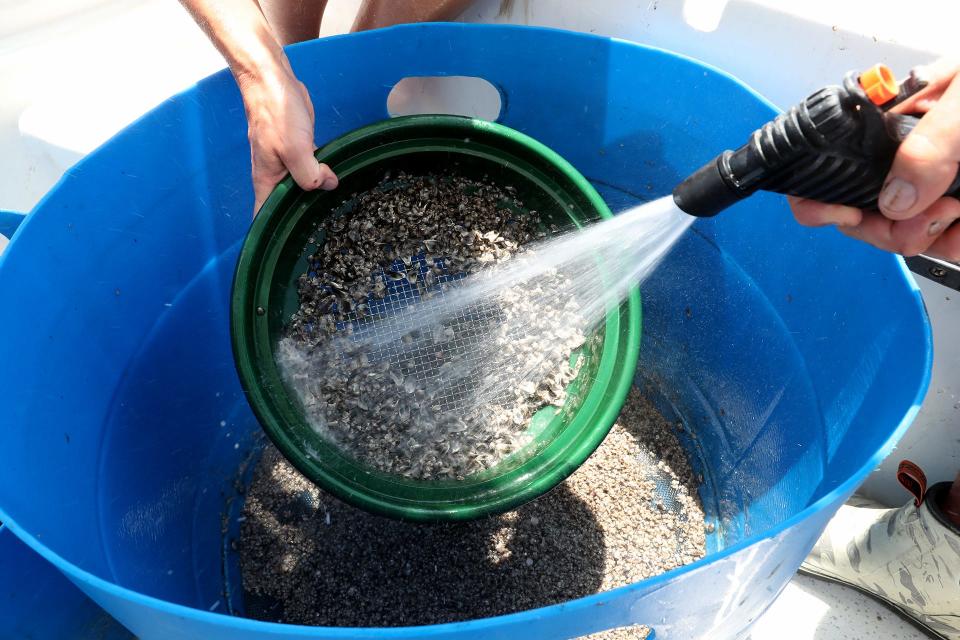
pixel 898 195
pixel 934 228
pixel 851 220
pixel 846 216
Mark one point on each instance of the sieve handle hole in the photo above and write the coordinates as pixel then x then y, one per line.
pixel 9 222
pixel 451 95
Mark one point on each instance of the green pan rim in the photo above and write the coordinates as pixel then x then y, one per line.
pixel 412 500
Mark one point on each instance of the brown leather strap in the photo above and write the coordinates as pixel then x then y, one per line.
pixel 950 503
pixel 913 480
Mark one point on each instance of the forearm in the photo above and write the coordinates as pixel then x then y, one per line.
pixel 239 30
pixel 280 120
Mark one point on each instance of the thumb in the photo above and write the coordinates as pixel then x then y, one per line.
pixel 303 167
pixel 927 160
pixel 309 174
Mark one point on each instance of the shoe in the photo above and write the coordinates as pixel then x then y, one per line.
pixel 907 558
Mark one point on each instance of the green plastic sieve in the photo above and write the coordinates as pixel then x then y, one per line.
pixel 265 296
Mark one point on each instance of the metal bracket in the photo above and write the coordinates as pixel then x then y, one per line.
pixel 940 271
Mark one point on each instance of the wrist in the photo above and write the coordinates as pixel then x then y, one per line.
pixel 262 89
pixel 257 72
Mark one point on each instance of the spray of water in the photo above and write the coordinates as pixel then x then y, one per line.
pixel 558 292
pixel 453 379
pixel 598 265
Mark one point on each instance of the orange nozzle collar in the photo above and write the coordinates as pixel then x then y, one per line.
pixel 879 84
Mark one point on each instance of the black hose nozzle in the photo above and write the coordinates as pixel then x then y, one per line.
pixel 706 192
pixel 835 146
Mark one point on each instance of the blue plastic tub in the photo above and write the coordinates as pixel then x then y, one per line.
pixel 795 357
pixel 38 603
